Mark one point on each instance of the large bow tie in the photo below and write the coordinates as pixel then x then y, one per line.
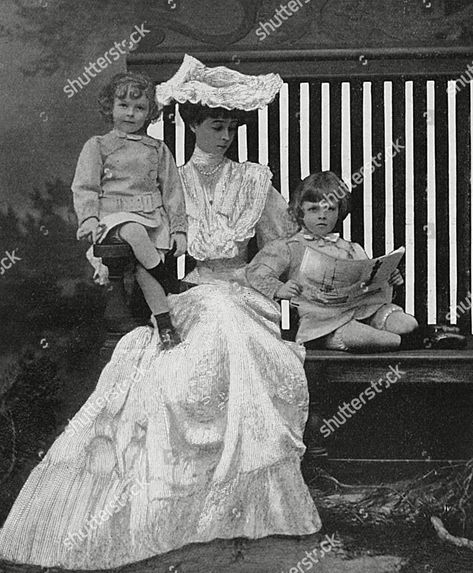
pixel 331 237
pixel 130 136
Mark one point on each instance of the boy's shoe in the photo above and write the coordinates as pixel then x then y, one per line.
pixel 445 341
pixel 169 337
pixel 443 337
pixel 434 337
pixel 436 328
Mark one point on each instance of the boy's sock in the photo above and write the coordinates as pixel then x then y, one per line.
pixel 167 332
pixel 166 275
pixel 157 273
pixel 163 320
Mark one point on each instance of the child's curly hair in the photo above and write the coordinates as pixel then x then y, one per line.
pixel 323 186
pixel 132 84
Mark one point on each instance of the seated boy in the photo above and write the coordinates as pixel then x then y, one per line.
pixel 319 203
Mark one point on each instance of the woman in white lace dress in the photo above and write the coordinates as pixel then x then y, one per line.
pixel 203 441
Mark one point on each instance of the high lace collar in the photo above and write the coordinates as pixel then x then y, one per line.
pixel 205 159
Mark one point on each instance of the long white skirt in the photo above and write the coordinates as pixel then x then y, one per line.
pixel 200 442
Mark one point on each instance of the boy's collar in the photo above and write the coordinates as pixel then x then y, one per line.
pixel 131 136
pixel 308 236
pixel 144 138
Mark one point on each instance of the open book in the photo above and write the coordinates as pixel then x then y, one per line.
pixel 330 281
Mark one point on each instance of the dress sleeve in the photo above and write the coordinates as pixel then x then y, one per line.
pixel 267 266
pixel 86 183
pixel 171 189
pixel 275 221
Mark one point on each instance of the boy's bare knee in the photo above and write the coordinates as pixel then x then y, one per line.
pixel 401 323
pixel 132 233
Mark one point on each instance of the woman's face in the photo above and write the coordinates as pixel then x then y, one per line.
pixel 215 135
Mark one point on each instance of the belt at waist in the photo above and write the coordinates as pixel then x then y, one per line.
pixel 147 202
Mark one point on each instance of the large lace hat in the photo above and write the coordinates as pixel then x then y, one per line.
pixel 217 87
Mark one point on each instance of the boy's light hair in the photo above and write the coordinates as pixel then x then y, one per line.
pixel 134 84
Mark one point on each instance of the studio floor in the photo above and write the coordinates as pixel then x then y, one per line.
pixel 376 551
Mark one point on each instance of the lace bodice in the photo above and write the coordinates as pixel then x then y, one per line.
pixel 227 203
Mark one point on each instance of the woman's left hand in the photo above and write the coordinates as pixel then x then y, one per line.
pixel 396 278
pixel 179 242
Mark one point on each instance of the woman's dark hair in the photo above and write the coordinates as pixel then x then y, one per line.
pixel 132 84
pixel 324 186
pixel 195 113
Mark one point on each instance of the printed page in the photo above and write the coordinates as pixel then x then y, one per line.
pixel 328 280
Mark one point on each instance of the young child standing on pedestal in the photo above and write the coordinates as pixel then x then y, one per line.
pixel 126 186
pixel 319 203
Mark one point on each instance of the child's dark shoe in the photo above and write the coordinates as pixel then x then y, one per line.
pixel 434 337
pixel 169 337
pixel 445 341
pixel 167 333
pixel 437 328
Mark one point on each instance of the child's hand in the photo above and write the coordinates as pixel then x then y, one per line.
pixel 289 290
pixel 90 230
pixel 396 278
pixel 179 241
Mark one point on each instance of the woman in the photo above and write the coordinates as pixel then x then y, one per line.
pixel 205 440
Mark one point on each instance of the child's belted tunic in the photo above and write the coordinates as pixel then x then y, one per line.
pixel 124 177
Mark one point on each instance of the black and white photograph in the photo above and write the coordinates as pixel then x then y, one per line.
pixel 236 286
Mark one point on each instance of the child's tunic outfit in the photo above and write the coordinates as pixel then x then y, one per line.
pixel 283 258
pixel 124 177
